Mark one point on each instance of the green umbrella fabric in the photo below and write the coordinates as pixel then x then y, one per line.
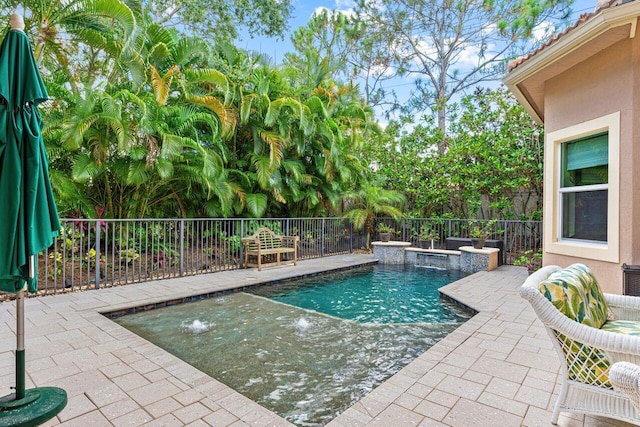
pixel 28 215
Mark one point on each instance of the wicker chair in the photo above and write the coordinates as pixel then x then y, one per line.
pixel 586 350
pixel 625 377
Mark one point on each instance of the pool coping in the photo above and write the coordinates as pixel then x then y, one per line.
pixel 119 312
pixel 498 368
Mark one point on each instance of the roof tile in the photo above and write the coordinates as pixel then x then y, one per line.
pixel 600 5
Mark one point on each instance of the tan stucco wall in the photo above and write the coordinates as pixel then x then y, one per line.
pixel 606 83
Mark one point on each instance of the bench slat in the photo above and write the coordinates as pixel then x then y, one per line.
pixel 266 242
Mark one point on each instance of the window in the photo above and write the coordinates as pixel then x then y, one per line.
pixel 584 188
pixel 581 190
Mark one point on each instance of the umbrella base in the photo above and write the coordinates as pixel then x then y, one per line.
pixel 38 405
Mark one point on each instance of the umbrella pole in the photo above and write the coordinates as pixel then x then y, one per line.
pixel 20 357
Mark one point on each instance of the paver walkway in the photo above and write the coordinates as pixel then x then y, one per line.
pixel 498 369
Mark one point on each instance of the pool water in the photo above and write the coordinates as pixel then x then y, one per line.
pixel 303 364
pixel 380 294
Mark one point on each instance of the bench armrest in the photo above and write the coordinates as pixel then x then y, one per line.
pixel 251 243
pixel 290 241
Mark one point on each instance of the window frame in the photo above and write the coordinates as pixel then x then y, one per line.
pixel 565 160
pixel 553 191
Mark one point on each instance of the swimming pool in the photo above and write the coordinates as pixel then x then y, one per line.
pixel 380 294
pixel 304 365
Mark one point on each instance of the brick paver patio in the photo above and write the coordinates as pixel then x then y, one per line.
pixel 498 369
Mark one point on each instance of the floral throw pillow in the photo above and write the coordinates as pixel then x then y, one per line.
pixel 575 292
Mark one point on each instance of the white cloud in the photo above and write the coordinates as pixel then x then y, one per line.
pixel 542 31
pixel 467 54
pixel 426 48
pixel 346 7
pixel 382 70
pixel 345 4
pixel 490 29
pixel 470 55
pixel 320 9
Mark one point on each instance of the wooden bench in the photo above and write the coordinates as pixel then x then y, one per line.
pixel 265 243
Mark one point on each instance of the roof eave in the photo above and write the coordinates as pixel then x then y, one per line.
pixel 609 18
pixel 526 104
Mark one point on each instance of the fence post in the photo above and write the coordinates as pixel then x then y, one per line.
pixel 350 237
pixel 97 254
pixel 322 243
pixel 504 243
pixel 241 245
pixel 540 234
pixel 181 247
pixel 404 230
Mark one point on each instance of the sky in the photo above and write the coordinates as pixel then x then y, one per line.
pixel 304 10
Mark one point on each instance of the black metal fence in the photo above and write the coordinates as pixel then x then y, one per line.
pixel 93 254
pixel 517 236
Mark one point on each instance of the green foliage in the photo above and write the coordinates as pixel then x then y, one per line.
pixel 90 258
pixel 256 204
pixel 492 167
pixel 340 45
pixel 128 255
pixel 233 243
pixel 146 122
pixel 222 19
pixel 530 259
pixel 371 201
pixel 274 226
pixel 446 47
pixel 162 125
pixel 384 228
pixel 427 233
pixel 481 229
pixel 524 16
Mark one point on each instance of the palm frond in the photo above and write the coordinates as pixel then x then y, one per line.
pixel 138 173
pixel 84 168
pixel 256 204
pixel 276 145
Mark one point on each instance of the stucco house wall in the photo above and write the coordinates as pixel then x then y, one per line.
pixel 583 82
pixel 603 84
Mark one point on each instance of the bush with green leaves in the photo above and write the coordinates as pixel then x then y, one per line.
pixel 530 259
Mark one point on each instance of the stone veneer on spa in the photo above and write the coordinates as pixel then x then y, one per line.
pixel 467 259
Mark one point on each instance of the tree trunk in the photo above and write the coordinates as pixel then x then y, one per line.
pixel 442 125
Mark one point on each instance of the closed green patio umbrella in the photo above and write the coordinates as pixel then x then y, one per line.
pixel 28 216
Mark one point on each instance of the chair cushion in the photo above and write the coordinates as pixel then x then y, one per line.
pixel 626 327
pixel 590 365
pixel 574 291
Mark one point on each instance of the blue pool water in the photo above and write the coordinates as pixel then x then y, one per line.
pixel 379 294
pixel 301 357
